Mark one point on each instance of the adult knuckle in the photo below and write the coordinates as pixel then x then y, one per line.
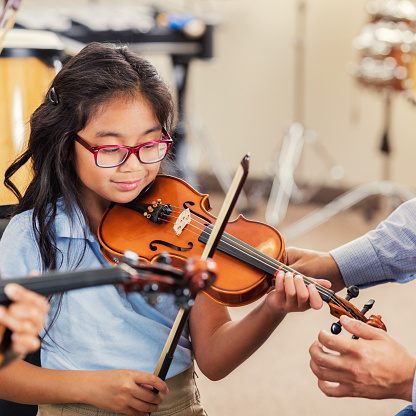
pixel 319 360
pixel 356 390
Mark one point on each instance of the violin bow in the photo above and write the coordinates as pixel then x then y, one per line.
pixel 14 6
pixel 229 203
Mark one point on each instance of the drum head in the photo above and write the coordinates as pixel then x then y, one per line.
pixel 22 43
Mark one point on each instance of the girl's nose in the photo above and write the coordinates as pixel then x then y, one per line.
pixel 132 163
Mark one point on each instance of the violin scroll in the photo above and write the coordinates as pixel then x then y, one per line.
pixel 376 322
pixel 339 306
pixel 196 275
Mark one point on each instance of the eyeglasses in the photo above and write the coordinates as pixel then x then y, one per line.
pixel 112 156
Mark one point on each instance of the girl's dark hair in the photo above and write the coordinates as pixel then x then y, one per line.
pixel 96 74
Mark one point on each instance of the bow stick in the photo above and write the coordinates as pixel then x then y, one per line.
pixel 230 200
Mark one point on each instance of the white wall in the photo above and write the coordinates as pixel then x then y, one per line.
pixel 245 95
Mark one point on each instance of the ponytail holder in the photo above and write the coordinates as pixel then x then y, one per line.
pixel 53 96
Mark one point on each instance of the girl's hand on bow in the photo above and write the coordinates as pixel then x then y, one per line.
pixel 375 366
pixel 124 391
pixel 290 294
pixel 24 317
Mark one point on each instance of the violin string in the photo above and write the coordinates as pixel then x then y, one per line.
pixel 265 259
pixel 269 261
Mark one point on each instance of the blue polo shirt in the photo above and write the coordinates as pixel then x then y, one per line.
pixel 97 328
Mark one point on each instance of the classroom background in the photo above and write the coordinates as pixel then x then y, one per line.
pixel 321 94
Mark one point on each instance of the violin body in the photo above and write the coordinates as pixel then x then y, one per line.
pixel 124 229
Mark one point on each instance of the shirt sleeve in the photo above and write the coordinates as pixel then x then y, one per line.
pixel 19 253
pixel 386 254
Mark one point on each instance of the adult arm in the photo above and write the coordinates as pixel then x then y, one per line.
pixel 385 254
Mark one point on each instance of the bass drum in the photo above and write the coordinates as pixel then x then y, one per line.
pixel 28 63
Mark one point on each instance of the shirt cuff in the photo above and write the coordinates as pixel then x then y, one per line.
pixel 358 263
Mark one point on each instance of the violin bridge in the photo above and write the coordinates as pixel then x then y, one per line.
pixel 183 220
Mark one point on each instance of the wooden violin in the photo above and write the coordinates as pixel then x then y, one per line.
pixel 150 279
pixel 172 216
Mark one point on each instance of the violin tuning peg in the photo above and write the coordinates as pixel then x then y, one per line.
pixel 152 298
pixel 164 258
pixel 368 306
pixel 336 328
pixel 185 302
pixel 352 292
pixel 131 258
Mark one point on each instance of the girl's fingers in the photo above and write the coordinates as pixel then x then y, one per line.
pixel 302 292
pixel 315 299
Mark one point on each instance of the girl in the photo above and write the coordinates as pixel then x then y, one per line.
pixel 101 346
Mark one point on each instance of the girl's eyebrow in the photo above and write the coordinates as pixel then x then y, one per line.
pixel 109 133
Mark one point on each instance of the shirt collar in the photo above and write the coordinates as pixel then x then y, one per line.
pixel 66 228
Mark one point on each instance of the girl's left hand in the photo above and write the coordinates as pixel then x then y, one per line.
pixel 290 294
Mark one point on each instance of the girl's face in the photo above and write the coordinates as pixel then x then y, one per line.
pixel 125 122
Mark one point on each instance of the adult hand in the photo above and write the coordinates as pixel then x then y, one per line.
pixel 317 264
pixel 124 391
pixel 375 366
pixel 24 317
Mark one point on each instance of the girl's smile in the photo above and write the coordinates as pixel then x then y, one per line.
pixel 128 186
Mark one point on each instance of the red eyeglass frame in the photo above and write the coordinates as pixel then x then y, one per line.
pixel 131 150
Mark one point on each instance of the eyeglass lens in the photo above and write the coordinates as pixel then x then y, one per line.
pixel 113 156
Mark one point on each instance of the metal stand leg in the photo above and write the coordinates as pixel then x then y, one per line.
pixel 359 193
pixel 283 182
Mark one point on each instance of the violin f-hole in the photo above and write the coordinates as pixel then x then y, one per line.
pixel 153 246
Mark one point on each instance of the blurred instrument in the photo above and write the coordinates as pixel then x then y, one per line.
pixel 134 276
pixel 145 29
pixel 388 46
pixel 28 62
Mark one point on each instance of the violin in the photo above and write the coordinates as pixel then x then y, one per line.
pixel 150 279
pixel 170 216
